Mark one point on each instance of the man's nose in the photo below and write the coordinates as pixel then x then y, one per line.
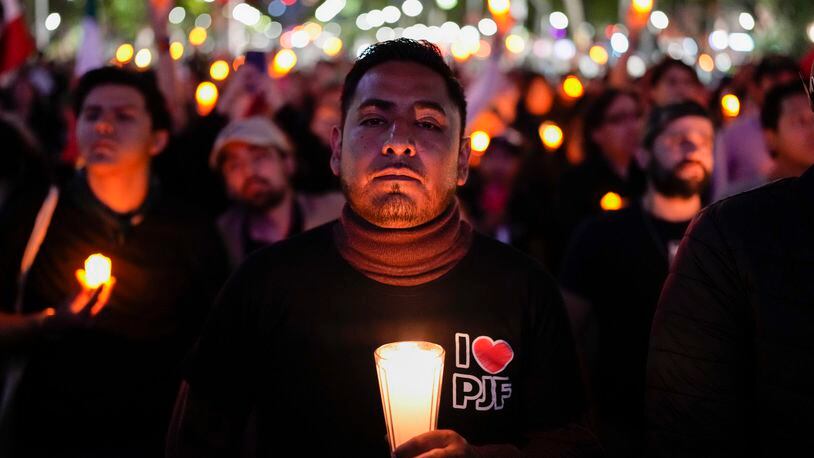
pixel 104 125
pixel 399 143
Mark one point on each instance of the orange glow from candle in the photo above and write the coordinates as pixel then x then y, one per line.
pixel 97 270
pixel 206 96
pixel 611 202
pixel 730 105
pixel 479 141
pixel 551 135
pixel 572 87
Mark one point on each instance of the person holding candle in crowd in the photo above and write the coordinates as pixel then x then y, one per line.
pixel 105 388
pixel 293 334
pixel 611 127
pixel 257 163
pixel 617 263
pixel 731 367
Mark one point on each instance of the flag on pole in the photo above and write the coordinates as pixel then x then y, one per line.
pixel 90 54
pixel 16 43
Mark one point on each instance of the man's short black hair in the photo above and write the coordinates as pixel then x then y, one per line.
pixel 143 82
pixel 660 69
pixel 405 50
pixel 773 103
pixel 773 65
pixel 661 117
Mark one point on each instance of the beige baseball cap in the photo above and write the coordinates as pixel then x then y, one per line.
pixel 257 130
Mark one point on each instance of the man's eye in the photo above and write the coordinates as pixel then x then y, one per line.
pixel 371 122
pixel 428 125
pixel 124 117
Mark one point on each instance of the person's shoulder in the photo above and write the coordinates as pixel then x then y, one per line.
pixel 760 213
pixel 497 256
pixel 296 254
pixel 319 209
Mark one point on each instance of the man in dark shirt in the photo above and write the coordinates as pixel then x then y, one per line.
pixel 105 388
pixel 731 364
pixel 614 270
pixel 293 334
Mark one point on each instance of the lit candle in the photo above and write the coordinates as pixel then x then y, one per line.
pixel 410 375
pixel 97 270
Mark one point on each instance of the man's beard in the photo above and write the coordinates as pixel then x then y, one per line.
pixel 667 182
pixel 395 209
pixel 267 198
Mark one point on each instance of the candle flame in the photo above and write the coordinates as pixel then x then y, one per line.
pixel 97 270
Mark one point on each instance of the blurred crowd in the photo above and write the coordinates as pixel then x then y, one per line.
pixel 598 184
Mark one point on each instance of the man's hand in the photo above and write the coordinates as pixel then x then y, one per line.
pixel 436 444
pixel 80 310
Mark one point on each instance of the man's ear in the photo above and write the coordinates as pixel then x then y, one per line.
pixel 159 141
pixel 463 160
pixel 336 150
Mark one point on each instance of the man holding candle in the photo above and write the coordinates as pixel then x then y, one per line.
pixel 105 388
pixel 293 334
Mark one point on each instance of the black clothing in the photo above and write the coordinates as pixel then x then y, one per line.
pixel 618 262
pixel 294 331
pixel 731 364
pixel 582 189
pixel 108 390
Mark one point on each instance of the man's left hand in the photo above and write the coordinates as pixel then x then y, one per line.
pixel 436 444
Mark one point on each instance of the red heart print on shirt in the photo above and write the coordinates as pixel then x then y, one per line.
pixel 492 355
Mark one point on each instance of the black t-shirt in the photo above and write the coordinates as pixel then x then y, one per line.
pixel 619 261
pixel 294 331
pixel 111 387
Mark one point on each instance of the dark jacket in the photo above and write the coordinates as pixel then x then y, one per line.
pixel 731 363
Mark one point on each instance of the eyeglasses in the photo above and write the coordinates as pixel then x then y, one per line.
pixel 677 138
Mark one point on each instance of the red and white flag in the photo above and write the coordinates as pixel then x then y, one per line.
pixel 16 44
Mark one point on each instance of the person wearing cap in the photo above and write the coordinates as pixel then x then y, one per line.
pixel 731 364
pixel 617 262
pixel 257 163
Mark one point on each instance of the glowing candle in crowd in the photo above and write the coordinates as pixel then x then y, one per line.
pixel 479 141
pixel 642 6
pixel 410 375
pixel 283 62
pixel 206 96
pixel 551 135
pixel 730 105
pixel 499 7
pixel 97 270
pixel 611 202
pixel 572 87
pixel 219 70
pixel 176 50
pixel 197 36
pixel 124 53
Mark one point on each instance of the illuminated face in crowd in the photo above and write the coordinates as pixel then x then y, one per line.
pixel 114 131
pixel 400 156
pixel 681 161
pixel 257 176
pixel 793 141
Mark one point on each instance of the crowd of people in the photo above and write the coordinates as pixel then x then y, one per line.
pixel 119 162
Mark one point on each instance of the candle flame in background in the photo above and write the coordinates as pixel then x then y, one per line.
pixel 283 62
pixel 176 50
pixel 730 105
pixel 219 70
pixel 197 36
pixel 572 87
pixel 611 202
pixel 551 135
pixel 124 53
pixel 499 7
pixel 410 375
pixel 97 270
pixel 479 141
pixel 598 54
pixel 206 96
pixel 642 6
